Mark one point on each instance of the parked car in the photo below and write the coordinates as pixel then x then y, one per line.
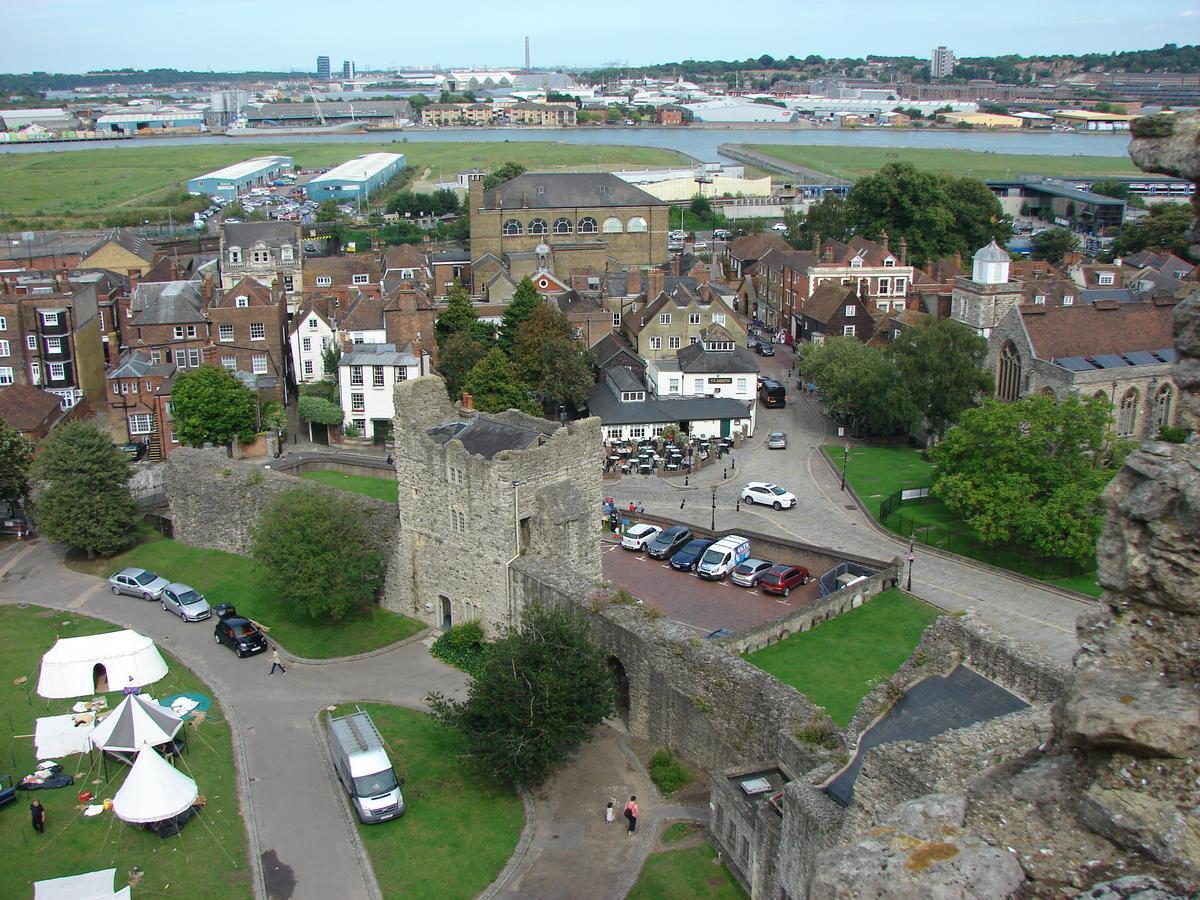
pixel 240 635
pixel 722 234
pixel 687 558
pixel 767 494
pixel 677 235
pixel 360 760
pixel 138 583
pixel 781 579
pixel 764 348
pixel 666 543
pixel 748 572
pixel 777 440
pixel 752 343
pixel 225 611
pixel 638 536
pixel 699 246
pixel 779 226
pixel 185 601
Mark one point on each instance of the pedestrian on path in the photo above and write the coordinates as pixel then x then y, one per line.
pixel 608 813
pixel 275 662
pixel 631 813
pixel 38 813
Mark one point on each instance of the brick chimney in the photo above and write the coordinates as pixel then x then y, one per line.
pixel 828 254
pixel 957 261
pixel 817 242
pixel 701 273
pixel 655 284
pixel 468 402
pixel 524 199
pixel 884 240
pixel 633 281
pixel 499 199
pixel 903 251
pixel 676 265
pixel 206 290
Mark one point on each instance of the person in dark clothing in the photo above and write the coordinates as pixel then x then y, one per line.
pixel 38 813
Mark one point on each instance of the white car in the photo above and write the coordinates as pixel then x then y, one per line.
pixel 779 226
pixel 638 536
pixel 677 235
pixel 768 494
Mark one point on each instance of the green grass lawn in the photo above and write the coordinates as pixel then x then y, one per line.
pixel 48 189
pixel 207 860
pixel 855 162
pixel 692 873
pixel 875 473
pixel 460 828
pixel 836 663
pixel 382 488
pixel 229 578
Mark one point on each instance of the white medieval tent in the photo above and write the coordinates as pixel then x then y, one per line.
pixel 136 722
pixel 97 663
pixel 89 886
pixel 154 791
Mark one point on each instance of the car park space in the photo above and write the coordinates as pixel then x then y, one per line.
pixel 704 605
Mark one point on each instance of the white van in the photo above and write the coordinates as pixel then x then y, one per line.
pixel 723 557
pixel 363 767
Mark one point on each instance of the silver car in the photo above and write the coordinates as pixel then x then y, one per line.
pixel 186 602
pixel 777 440
pixel 138 583
pixel 750 571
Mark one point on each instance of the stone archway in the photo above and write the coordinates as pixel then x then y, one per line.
pixel 620 688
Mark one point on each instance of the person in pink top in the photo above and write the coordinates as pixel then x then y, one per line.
pixel 631 814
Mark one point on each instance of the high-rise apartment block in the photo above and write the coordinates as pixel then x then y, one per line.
pixel 943 63
pixel 322 68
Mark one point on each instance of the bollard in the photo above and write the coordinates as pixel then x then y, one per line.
pixel 681 502
pixel 725 473
pixel 737 506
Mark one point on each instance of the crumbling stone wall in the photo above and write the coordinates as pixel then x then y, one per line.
pixel 215 501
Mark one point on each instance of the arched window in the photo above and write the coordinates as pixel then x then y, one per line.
pixel 587 225
pixel 1047 392
pixel 612 225
pixel 538 226
pixel 637 223
pixel 1127 421
pixel 512 226
pixel 1163 401
pixel 1008 384
pixel 562 226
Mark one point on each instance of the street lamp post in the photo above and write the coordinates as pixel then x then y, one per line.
pixel 714 508
pixel 911 557
pixel 845 458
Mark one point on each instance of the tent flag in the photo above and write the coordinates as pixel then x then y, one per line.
pixel 135 722
pixel 153 790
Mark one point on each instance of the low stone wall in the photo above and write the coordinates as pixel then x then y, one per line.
pixel 215 501
pixel 335 462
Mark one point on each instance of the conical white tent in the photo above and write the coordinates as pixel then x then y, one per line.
pixel 153 790
pixel 135 722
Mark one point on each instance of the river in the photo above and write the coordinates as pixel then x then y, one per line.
pixel 700 143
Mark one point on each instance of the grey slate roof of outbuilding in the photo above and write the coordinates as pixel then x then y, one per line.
pixel 378 355
pixel 485 436
pixel 137 364
pixel 166 303
pixel 604 403
pixel 695 359
pixel 273 234
pixel 568 189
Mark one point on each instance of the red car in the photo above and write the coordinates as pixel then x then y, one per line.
pixel 781 579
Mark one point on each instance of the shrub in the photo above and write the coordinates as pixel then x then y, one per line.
pixel 668 773
pixel 462 647
pixel 320 410
pixel 818 732
pixel 1173 434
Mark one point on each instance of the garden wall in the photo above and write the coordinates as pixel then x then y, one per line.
pixel 335 462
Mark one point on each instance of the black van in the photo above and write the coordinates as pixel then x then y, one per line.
pixel 772 393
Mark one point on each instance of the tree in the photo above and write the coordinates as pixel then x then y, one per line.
pixel 566 374
pixel 212 407
pixel 700 207
pixel 330 357
pixel 938 364
pixel 524 301
pixel 16 454
pixel 318 549
pixel 1053 244
pixel 1030 472
pixel 859 384
pixel 539 692
pixel 935 215
pixel 495 387
pixel 826 218
pixel 544 325
pixel 457 356
pixel 83 498
pixel 320 410
pixel 1164 229
pixel 506 172
pixel 328 212
pixel 460 317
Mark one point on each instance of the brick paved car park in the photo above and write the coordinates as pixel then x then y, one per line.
pixel 684 597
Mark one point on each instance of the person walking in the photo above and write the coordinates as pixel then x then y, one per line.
pixel 276 662
pixel 608 812
pixel 631 814
pixel 38 813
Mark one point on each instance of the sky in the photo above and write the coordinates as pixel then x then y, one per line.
pixel 239 35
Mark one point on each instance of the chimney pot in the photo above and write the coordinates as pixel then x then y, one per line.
pixel 468 402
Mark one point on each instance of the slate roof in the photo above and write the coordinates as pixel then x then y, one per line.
pixel 486 436
pixel 694 359
pixel 623 379
pixel 166 303
pixel 1057 332
pixel 135 244
pixel 246 234
pixel 378 355
pixel 611 346
pixel 566 190
pixel 318 305
pixel 25 408
pixel 137 364
pixel 340 268
pixel 604 403
pixel 826 300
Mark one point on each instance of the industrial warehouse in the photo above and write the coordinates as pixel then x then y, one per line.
pixel 356 178
pixel 238 178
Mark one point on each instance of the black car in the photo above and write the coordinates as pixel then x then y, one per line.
pixel 225 611
pixel 764 349
pixel 688 557
pixel 240 635
pixel 772 393
pixel 668 542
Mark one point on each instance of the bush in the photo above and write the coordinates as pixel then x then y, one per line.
pixel 818 732
pixel 1173 434
pixel 462 647
pixel 668 773
pixel 320 410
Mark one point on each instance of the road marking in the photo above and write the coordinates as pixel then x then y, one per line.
pixel 84 597
pixel 16 558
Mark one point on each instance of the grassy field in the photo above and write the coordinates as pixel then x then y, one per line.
pixel 43 190
pixel 836 663
pixel 875 473
pixel 207 860
pixel 229 578
pixel 855 162
pixel 460 828
pixel 692 873
pixel 381 488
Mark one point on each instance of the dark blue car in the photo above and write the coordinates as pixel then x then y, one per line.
pixel 687 558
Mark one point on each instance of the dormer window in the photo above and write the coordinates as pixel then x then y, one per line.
pixel 1068 300
pixel 285 253
pixel 324 280
pixel 889 262
pixel 1040 300
pixel 721 346
pixel 360 279
pixel 856 263
pixel 260 257
pixel 633 396
pixel 235 256
pixel 1105 278
pixel 241 302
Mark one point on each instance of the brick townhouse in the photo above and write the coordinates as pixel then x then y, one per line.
pixel 168 320
pixel 835 310
pixel 249 336
pixel 139 389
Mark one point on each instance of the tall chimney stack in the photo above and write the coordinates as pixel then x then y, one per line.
pixel 526 53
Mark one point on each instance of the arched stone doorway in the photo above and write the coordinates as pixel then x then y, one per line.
pixel 447 616
pixel 620 688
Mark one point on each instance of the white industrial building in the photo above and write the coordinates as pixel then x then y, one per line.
pixel 739 111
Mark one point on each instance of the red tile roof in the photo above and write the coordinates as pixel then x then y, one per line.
pixel 1057 332
pixel 25 408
